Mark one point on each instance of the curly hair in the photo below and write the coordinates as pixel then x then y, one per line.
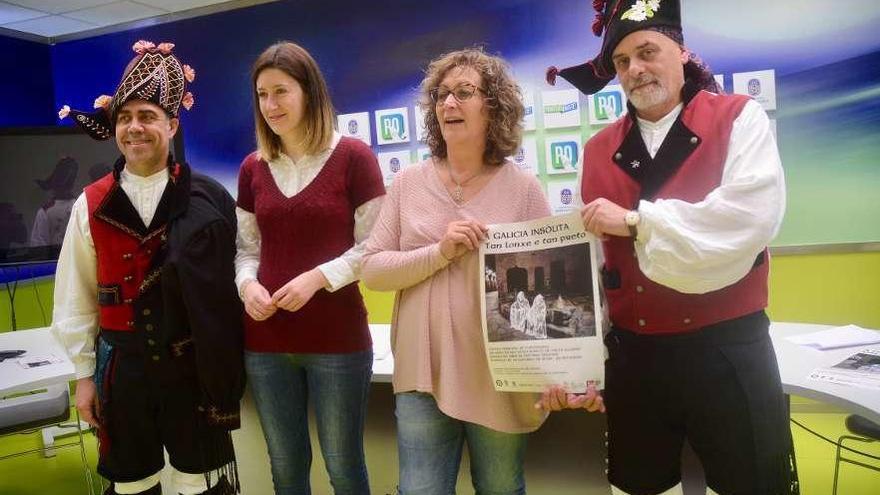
pixel 503 100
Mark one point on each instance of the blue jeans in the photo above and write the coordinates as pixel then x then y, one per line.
pixel 429 445
pixel 337 385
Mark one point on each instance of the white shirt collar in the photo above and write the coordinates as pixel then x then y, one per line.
pixel 665 121
pixel 285 161
pixel 140 181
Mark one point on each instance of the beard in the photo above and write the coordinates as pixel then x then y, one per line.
pixel 647 96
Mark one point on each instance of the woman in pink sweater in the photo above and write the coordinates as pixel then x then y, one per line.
pixel 424 247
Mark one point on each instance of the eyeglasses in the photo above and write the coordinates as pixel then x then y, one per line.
pixel 461 93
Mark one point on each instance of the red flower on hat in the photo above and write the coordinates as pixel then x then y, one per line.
pixel 599 5
pixel 551 74
pixel 598 24
pixel 165 48
pixel 188 100
pixel 189 73
pixel 142 46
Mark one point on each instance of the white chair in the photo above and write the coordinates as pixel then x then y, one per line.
pixel 33 410
pixel 865 431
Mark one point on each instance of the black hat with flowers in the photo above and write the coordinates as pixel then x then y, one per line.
pixel 617 19
pixel 154 75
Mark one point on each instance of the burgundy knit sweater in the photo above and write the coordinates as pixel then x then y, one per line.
pixel 301 232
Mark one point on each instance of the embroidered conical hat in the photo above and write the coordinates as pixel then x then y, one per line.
pixel 154 75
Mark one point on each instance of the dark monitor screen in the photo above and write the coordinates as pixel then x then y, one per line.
pixel 44 170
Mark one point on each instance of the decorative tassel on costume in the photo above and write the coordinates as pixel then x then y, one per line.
pixel 217 448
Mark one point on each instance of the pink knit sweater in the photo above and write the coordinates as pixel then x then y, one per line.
pixel 435 329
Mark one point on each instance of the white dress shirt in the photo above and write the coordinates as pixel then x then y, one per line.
pixel 705 246
pixel 75 314
pixel 291 178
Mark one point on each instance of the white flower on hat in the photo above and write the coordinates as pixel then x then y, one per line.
pixel 142 46
pixel 189 73
pixel 64 112
pixel 641 10
pixel 103 101
pixel 188 101
pixel 165 48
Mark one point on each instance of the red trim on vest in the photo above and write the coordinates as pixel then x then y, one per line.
pixel 639 304
pixel 123 260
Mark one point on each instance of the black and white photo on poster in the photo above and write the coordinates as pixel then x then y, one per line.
pixel 541 294
pixel 542 322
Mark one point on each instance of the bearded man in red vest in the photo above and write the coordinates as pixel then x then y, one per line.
pixel 145 299
pixel 686 192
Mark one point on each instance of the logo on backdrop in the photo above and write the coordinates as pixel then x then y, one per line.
pixel 353 127
pixel 395 165
pixel 561 109
pixel 563 155
pixel 608 105
pixel 392 128
pixel 565 196
pixel 754 86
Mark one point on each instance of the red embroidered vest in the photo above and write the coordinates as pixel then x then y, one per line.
pixel 688 166
pixel 125 253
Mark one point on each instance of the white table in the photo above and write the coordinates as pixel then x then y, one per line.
pixel 14 378
pixel 797 361
pixel 38 341
pixel 383 361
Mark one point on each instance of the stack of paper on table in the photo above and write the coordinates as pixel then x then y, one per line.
pixel 837 337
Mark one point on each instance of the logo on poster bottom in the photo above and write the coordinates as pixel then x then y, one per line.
pixel 395 165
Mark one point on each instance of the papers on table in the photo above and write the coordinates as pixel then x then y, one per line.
pixel 38 360
pixel 837 337
pixel 861 369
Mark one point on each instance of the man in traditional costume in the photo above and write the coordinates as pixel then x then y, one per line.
pixel 686 192
pixel 145 299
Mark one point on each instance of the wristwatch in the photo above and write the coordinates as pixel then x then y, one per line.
pixel 632 219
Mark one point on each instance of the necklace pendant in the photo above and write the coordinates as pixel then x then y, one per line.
pixel 457 194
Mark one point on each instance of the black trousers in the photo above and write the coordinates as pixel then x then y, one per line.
pixel 719 388
pixel 148 405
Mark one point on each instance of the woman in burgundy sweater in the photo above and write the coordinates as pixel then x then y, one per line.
pixel 307 200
